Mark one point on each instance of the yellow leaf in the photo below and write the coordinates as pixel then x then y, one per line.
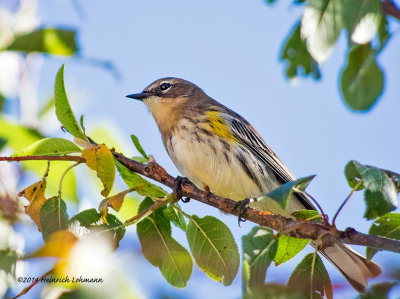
pixel 100 159
pixel 90 155
pixel 116 201
pixel 35 194
pixel 58 245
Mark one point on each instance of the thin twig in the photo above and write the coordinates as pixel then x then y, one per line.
pixel 47 158
pixel 39 279
pixel 303 229
pixel 390 8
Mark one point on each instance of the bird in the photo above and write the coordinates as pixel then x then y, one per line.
pixel 216 148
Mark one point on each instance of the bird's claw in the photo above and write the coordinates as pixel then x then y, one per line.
pixel 177 190
pixel 242 206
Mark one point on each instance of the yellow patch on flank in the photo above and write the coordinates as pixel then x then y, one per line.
pixel 218 126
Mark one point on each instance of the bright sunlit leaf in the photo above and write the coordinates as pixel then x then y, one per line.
pixel 49 146
pixel 35 193
pixel 288 248
pixel 100 159
pixel 53 41
pixel 63 108
pixel 321 24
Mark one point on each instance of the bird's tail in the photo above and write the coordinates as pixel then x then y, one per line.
pixel 352 265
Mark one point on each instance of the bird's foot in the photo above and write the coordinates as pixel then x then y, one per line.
pixel 206 190
pixel 242 206
pixel 177 190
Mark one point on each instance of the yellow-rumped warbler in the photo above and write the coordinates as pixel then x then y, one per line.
pixel 212 145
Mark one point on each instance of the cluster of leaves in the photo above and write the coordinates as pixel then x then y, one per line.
pixel 313 37
pixel 210 241
pixel 310 278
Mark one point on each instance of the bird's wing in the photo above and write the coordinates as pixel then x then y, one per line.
pixel 249 137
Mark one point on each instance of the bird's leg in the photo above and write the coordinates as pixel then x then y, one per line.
pixel 206 190
pixel 177 190
pixel 242 205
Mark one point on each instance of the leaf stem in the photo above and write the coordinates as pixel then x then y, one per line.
pixel 60 187
pixel 312 272
pixel 344 202
pixel 318 205
pixel 181 211
pixel 146 212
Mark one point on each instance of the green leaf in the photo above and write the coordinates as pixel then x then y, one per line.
pixel 63 109
pixel 213 248
pixel 395 177
pixel 175 217
pixel 321 24
pixel 362 19
pixel 362 79
pixel 46 40
pixel 378 291
pixel 274 291
pixel 2 102
pixel 270 1
pixel 288 248
pixel 307 215
pixel 100 159
pixel 386 226
pixel 53 216
pixel 91 220
pixel 284 193
pixel 19 137
pixel 138 146
pixel 3 143
pixel 380 191
pixel 161 250
pixel 48 146
pixel 299 60
pixel 259 249
pixel 8 259
pixel 133 180
pixel 81 120
pixel 311 276
pixel 383 33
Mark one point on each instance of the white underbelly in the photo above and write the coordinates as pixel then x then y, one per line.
pixel 206 163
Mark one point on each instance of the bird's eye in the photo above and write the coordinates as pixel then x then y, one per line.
pixel 165 86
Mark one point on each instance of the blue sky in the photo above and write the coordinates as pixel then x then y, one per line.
pixel 230 49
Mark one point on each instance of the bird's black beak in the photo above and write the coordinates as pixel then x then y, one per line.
pixel 139 96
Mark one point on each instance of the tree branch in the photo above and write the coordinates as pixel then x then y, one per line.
pixel 389 8
pixel 44 158
pixel 301 229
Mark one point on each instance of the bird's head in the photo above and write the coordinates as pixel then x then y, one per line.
pixel 171 91
pixel 170 98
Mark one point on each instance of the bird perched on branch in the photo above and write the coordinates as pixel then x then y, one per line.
pixel 214 146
